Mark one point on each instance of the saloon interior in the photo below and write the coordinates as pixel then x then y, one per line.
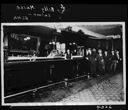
pixel 63 62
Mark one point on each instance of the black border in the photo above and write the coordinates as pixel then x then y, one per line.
pixel 109 15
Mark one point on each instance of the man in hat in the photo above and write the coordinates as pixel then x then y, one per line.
pixel 106 61
pixel 114 61
pixel 100 62
pixel 92 60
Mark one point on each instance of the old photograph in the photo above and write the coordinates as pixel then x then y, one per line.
pixel 63 63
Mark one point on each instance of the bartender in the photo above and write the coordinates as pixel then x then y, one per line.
pixel 68 54
pixel 53 53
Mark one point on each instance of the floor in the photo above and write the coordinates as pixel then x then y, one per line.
pixel 110 89
pixel 106 88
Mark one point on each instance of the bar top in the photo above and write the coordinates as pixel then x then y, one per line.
pixel 25 60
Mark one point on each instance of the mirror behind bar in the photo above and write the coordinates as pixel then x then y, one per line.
pixel 20 46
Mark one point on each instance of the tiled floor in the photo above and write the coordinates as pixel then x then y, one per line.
pixel 108 90
pixel 105 88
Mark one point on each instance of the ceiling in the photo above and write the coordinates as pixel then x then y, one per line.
pixel 96 31
pixel 37 31
pixel 104 29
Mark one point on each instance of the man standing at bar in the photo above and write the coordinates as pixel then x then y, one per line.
pixel 106 61
pixel 68 54
pixel 69 67
pixel 100 62
pixel 114 61
pixel 92 60
pixel 119 60
pixel 88 57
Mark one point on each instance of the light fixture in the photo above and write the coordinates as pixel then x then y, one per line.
pixel 25 39
pixel 53 42
pixel 50 42
pixel 70 43
pixel 28 38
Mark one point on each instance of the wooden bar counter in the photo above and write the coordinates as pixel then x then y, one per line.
pixel 25 74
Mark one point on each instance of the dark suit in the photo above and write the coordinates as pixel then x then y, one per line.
pixel 114 61
pixel 100 64
pixel 107 64
pixel 92 63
